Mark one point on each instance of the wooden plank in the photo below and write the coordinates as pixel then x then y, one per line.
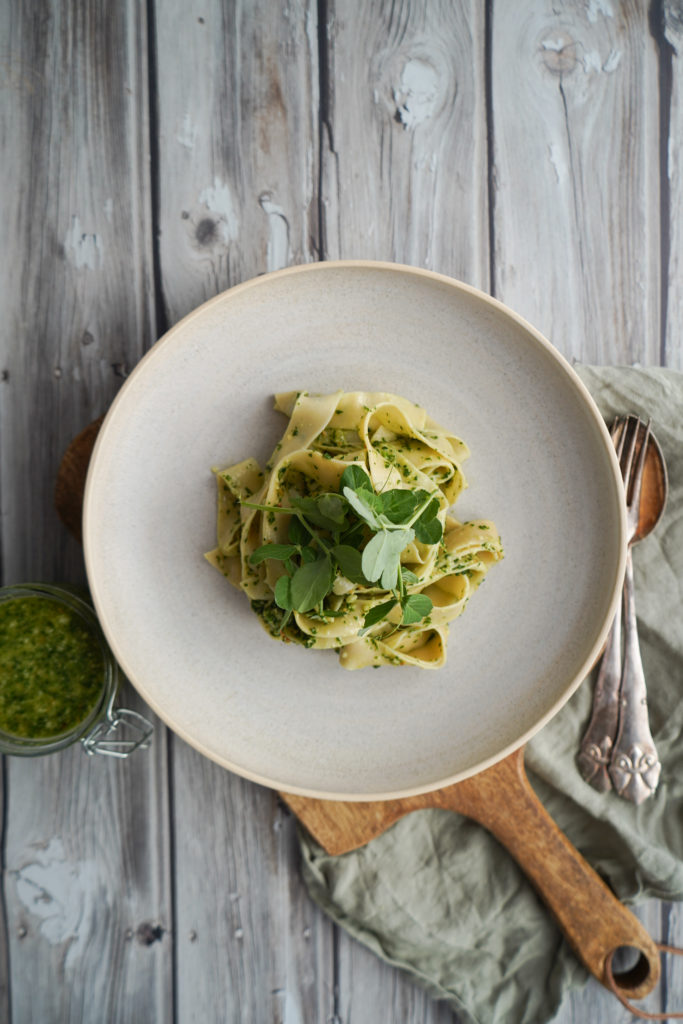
pixel 404 155
pixel 76 295
pixel 86 878
pixel 668 30
pixel 238 173
pixel 4 938
pixel 403 178
pixel 575 144
pixel 672 935
pixel 87 888
pixel 244 924
pixel 238 149
pixel 372 991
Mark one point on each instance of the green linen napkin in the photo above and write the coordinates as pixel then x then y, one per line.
pixel 437 896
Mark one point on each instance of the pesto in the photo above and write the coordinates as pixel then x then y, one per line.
pixel 51 668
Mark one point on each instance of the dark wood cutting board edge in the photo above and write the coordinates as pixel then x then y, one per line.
pixel 499 798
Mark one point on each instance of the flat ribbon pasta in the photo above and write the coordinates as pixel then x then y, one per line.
pixel 399 447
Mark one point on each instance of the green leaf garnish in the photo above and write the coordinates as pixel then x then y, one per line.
pixel 332 507
pixel 415 607
pixel 428 528
pixel 376 614
pixel 283 593
pixel 363 536
pixel 315 515
pixel 354 477
pixel 280 552
pixel 298 534
pixel 430 532
pixel 399 505
pixel 349 561
pixel 311 583
pixel 381 556
pixel 362 508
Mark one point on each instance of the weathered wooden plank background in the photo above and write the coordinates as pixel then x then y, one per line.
pixel 155 154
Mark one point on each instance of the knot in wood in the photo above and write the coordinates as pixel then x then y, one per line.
pixel 559 52
pixel 206 231
pixel 148 933
pixel 417 92
pixel 416 82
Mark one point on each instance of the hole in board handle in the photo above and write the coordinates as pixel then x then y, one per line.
pixel 630 967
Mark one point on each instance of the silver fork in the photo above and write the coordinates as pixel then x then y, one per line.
pixel 634 765
pixel 595 751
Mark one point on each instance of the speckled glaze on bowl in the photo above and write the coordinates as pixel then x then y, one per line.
pixel 542 467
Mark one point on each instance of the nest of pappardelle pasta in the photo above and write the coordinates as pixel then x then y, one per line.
pixel 344 539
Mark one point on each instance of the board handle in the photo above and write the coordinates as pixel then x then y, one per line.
pixel 594 921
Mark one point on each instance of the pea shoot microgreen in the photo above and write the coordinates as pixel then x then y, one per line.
pixel 358 533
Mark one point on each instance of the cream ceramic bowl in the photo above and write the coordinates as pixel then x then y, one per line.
pixel 542 467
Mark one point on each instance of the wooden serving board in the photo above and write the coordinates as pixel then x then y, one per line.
pixel 500 798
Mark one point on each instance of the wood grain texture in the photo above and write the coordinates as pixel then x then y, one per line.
pixel 244 926
pixel 5 994
pixel 668 29
pixel 671 930
pixel 77 290
pixel 237 105
pixel 87 888
pixel 238 174
pixel 372 992
pixel 86 851
pixel 576 172
pixel 404 145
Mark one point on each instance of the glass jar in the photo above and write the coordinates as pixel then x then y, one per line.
pixel 101 728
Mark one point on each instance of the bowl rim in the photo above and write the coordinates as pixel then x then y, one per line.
pixel 572 378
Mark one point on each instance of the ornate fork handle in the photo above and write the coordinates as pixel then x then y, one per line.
pixel 635 766
pixel 595 752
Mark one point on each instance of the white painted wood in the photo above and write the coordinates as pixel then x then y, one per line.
pixel 87 887
pixel 672 935
pixel 670 26
pixel 576 171
pixel 76 287
pixel 238 159
pixel 250 945
pixel 4 937
pixel 85 840
pixel 238 151
pixel 404 146
pixel 371 992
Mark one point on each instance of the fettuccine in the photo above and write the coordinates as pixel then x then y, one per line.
pixel 329 569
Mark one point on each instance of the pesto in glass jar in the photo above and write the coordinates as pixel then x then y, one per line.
pixel 51 667
pixel 58 677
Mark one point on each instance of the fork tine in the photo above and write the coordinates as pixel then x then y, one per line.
pixel 617 434
pixel 637 477
pixel 632 427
